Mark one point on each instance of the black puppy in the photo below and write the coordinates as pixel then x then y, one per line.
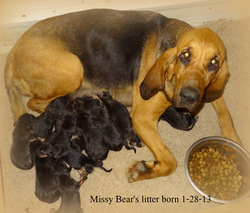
pixel 59 140
pixel 178 119
pixel 46 187
pixel 53 180
pixel 121 120
pixel 75 159
pixel 44 123
pixel 98 113
pixel 69 190
pixel 89 135
pixel 22 136
pixel 57 144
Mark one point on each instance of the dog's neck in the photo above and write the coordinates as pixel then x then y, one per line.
pixel 171 33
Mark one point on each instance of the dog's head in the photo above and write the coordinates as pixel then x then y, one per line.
pixel 196 67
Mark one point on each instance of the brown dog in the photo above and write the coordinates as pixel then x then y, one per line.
pixel 142 58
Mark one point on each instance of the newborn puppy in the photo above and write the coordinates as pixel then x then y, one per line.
pixel 22 136
pixel 70 202
pixel 46 187
pixel 100 116
pixel 75 159
pixel 78 142
pixel 88 133
pixel 53 181
pixel 57 144
pixel 44 123
pixel 66 122
pixel 179 120
pixel 121 120
pixel 78 160
pixel 69 190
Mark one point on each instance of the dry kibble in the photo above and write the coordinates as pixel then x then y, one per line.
pixel 215 174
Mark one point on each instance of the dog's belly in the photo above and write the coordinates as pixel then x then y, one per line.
pixel 122 94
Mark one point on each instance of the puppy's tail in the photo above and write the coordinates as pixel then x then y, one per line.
pixel 130 148
pixel 100 165
pixel 15 97
pixel 104 169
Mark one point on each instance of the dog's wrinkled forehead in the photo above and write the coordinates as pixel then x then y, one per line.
pixel 204 39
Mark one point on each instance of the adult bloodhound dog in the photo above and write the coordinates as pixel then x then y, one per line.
pixel 144 59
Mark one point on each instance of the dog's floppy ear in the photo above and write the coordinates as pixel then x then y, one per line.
pixel 216 87
pixel 155 78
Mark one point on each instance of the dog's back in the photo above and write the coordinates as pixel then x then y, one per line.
pixel 127 29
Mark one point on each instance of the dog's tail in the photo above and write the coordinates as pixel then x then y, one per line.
pixel 15 97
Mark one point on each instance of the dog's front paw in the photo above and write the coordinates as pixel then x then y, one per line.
pixel 143 170
pixel 135 171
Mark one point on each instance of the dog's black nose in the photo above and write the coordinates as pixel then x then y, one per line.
pixel 189 95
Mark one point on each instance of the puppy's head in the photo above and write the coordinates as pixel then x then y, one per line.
pixel 55 108
pixel 196 67
pixel 23 125
pixel 24 121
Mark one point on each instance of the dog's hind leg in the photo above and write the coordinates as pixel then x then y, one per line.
pixel 16 102
pixel 38 104
pixel 43 74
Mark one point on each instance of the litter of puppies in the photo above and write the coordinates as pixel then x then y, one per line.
pixel 55 141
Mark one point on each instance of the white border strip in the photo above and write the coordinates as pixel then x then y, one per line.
pixel 187 10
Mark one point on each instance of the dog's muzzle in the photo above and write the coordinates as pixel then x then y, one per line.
pixel 189 95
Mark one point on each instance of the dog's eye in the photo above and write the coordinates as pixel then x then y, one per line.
pixel 213 65
pixel 185 57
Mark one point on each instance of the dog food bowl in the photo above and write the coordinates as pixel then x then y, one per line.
pixel 231 150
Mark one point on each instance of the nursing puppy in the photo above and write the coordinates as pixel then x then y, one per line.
pixel 69 190
pixel 70 196
pixel 70 201
pixel 98 112
pixel 65 153
pixel 58 144
pixel 89 133
pixel 53 180
pixel 121 120
pixel 46 188
pixel 22 136
pixel 44 123
pixel 100 116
